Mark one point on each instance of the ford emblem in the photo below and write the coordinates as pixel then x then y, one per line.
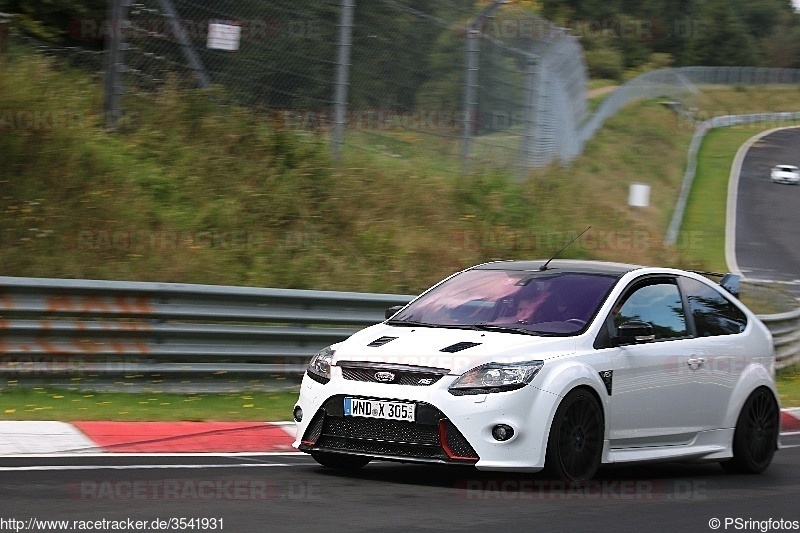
pixel 384 377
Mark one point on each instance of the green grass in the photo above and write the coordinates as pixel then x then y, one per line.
pixel 703 228
pixel 788 381
pixel 195 191
pixel 47 403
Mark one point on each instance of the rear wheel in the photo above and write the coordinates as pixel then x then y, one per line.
pixel 575 444
pixel 756 437
pixel 341 461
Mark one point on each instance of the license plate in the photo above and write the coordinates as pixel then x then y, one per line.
pixel 379 409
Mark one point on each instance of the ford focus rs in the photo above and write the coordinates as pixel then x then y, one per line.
pixel 558 365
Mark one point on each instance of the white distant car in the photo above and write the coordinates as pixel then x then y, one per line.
pixel 785 174
pixel 558 365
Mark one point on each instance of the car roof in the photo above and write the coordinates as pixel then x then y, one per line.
pixel 786 167
pixel 563 265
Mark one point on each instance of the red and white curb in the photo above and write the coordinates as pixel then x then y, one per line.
pixel 790 420
pixel 50 437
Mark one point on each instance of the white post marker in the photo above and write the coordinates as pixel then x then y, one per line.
pixel 639 195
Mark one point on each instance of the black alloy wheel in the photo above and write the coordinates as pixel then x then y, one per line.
pixel 575 444
pixel 756 436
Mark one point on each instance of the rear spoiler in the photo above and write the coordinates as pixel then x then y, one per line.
pixel 729 282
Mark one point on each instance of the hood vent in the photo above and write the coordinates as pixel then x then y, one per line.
pixel 457 347
pixel 380 341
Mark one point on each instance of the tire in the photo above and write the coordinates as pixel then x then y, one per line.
pixel 340 461
pixel 756 436
pixel 575 443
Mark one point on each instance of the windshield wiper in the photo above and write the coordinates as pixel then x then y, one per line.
pixel 510 329
pixel 398 322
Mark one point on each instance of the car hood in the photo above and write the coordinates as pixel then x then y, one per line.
pixel 457 350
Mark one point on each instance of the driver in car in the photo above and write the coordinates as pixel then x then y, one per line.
pixel 533 308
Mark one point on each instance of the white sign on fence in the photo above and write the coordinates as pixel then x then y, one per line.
pixel 224 36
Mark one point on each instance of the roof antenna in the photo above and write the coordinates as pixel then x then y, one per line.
pixel 544 266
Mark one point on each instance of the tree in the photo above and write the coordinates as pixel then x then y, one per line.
pixel 53 20
pixel 721 38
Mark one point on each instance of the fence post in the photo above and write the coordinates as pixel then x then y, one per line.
pixel 5 30
pixel 474 33
pixel 342 76
pixel 117 19
pixel 470 90
pixel 186 44
pixel 529 127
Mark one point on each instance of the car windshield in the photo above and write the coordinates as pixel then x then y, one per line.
pixel 511 300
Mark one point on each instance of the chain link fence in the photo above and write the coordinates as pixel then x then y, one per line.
pixel 473 84
pixel 681 85
pixel 484 87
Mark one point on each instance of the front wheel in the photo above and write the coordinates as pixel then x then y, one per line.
pixel 575 444
pixel 340 461
pixel 756 436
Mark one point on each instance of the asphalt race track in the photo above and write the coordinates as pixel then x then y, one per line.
pixel 291 493
pixel 768 214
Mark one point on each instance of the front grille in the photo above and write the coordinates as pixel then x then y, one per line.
pixel 382 449
pixel 314 429
pixel 377 429
pixel 457 445
pixel 417 376
pixel 431 438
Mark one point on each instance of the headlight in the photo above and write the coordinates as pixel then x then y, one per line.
pixel 319 369
pixel 495 377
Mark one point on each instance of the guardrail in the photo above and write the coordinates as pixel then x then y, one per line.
pixel 76 327
pixel 55 327
pixel 785 328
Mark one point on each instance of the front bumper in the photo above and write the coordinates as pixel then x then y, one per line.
pixel 431 438
pixel 786 180
pixel 448 429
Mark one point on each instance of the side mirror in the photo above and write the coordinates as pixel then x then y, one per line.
pixel 393 310
pixel 634 332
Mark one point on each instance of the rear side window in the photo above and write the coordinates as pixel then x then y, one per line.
pixel 713 313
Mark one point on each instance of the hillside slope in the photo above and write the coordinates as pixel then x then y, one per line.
pixel 196 192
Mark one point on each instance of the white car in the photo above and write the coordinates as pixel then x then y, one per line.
pixel 558 365
pixel 785 174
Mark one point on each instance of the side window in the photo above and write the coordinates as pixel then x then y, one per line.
pixel 713 313
pixel 659 304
